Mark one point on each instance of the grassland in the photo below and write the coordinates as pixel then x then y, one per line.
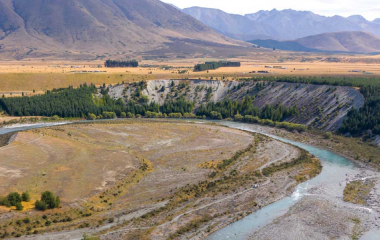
pixel 35 77
pixel 358 191
pixel 138 174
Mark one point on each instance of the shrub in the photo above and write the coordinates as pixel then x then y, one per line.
pixel 40 205
pixel 19 206
pixel 25 197
pixel 109 115
pixel 50 200
pixel 4 202
pixel 328 135
pixel 91 116
pixel 123 115
pixel 14 198
pixel 130 115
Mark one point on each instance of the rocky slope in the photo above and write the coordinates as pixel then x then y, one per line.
pixel 90 28
pixel 320 106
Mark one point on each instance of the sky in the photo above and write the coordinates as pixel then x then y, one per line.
pixel 370 9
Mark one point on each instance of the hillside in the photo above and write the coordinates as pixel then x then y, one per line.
pixel 90 28
pixel 280 25
pixel 343 41
pixel 357 42
pixel 318 104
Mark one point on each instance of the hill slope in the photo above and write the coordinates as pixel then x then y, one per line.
pixel 361 42
pixel 358 42
pixel 94 27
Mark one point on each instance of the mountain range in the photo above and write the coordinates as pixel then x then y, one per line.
pixel 90 28
pixel 352 42
pixel 279 25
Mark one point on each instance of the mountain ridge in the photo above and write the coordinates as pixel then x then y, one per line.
pixel 288 24
pixel 90 28
pixel 350 42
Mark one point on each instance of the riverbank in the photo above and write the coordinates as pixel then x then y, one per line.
pixel 322 193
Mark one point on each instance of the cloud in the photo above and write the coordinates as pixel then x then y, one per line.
pixel 367 8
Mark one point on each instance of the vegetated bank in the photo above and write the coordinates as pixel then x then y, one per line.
pixel 363 121
pixel 269 103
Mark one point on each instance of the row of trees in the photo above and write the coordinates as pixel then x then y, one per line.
pixel 229 108
pixel 48 201
pixel 115 63
pixel 215 65
pixel 67 102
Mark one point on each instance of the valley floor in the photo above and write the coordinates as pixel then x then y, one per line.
pixel 141 179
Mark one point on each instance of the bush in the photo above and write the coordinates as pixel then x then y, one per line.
pixel 123 115
pixel 14 198
pixel 25 197
pixel 91 116
pixel 216 115
pixel 4 202
pixel 42 206
pixel 328 135
pixel 109 115
pixel 88 237
pixel 19 206
pixel 50 200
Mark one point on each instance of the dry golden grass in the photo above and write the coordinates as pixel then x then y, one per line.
pixel 79 161
pixel 19 77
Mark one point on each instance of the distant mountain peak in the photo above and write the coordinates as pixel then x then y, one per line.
pixel 287 24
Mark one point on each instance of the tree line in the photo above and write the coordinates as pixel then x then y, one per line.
pixel 64 103
pixel 228 108
pixel 214 65
pixel 116 63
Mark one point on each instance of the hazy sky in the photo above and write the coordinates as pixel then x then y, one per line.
pixel 369 9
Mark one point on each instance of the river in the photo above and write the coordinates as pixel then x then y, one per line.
pixel 335 171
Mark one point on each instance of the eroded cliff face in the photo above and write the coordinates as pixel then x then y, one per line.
pixel 321 106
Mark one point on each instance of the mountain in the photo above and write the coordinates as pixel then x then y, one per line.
pixel 281 25
pixel 87 28
pixel 353 42
pixel 231 25
pixel 376 21
pixel 291 24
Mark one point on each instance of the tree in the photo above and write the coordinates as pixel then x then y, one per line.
pixel 14 198
pixel 25 197
pixel 50 200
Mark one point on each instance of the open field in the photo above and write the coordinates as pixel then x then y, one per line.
pixel 135 169
pixel 24 77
